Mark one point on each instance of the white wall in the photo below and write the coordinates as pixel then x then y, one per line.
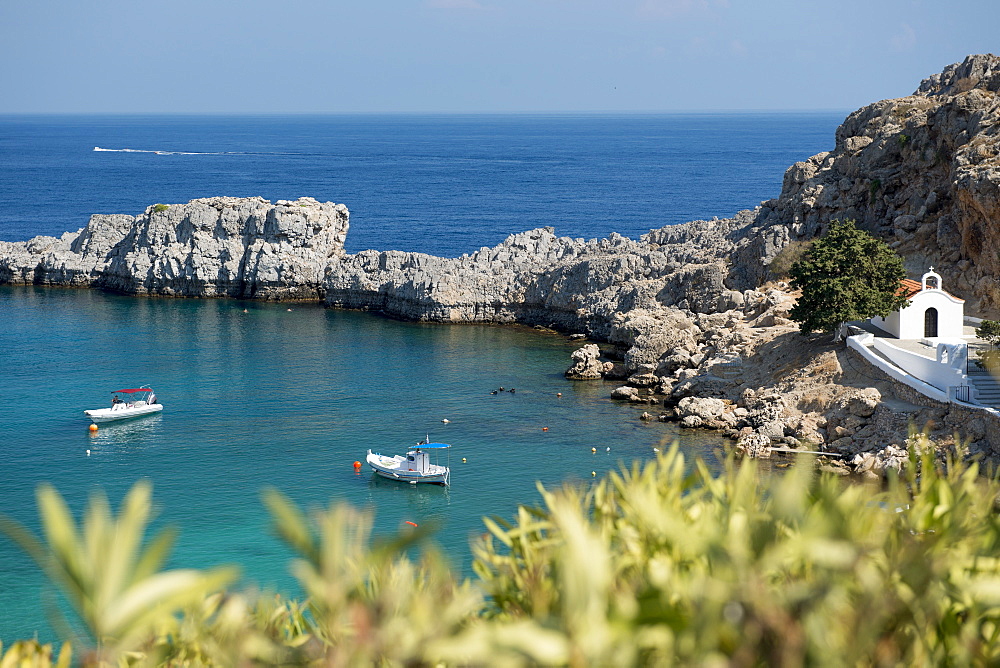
pixel 888 324
pixel 932 372
pixel 861 342
pixel 950 315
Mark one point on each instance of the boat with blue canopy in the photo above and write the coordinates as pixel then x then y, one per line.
pixel 413 467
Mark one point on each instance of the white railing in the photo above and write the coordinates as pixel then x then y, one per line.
pixel 861 342
pixel 941 375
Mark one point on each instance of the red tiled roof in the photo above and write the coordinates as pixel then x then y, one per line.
pixel 908 287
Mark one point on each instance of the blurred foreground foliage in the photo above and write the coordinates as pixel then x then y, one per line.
pixel 654 565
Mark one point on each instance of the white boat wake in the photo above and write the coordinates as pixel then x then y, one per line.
pixel 139 150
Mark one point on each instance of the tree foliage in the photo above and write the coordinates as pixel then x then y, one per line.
pixel 661 563
pixel 846 275
pixel 989 330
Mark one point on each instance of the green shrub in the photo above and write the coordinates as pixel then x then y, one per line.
pixel 873 189
pixel 112 583
pixel 659 564
pixel 160 208
pixel 33 653
pixel 787 256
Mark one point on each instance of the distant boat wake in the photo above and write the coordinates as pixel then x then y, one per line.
pixel 139 150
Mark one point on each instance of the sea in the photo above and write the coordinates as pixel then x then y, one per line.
pixel 288 396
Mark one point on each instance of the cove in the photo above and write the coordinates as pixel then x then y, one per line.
pixel 289 399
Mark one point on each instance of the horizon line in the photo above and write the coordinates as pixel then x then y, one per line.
pixel 672 112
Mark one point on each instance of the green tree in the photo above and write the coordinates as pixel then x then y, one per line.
pixel 989 330
pixel 846 275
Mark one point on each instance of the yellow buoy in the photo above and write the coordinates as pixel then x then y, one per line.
pixel 593 449
pixel 93 427
pixel 593 474
pixel 463 460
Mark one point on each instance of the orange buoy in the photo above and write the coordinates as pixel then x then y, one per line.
pixel 357 465
pixel 558 394
pixel 545 428
pixel 93 427
pixel 412 524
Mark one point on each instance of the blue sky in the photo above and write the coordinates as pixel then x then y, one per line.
pixel 329 56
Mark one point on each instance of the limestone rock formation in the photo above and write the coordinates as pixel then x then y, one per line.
pixel 212 247
pixel 537 278
pixel 74 259
pixel 587 364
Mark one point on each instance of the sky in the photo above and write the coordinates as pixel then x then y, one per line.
pixel 477 56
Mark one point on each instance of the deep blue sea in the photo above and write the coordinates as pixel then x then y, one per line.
pixel 290 398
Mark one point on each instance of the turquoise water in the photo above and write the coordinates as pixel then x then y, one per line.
pixel 288 399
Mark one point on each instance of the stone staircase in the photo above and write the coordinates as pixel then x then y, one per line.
pixel 987 387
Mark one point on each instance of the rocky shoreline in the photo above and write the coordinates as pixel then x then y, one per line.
pixel 694 317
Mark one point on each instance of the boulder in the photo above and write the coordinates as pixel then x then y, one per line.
pixel 773 430
pixel 705 408
pixel 691 421
pixel 754 446
pixel 863 402
pixel 587 364
pixel 625 392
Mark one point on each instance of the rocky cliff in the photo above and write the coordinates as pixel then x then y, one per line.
pixel 922 172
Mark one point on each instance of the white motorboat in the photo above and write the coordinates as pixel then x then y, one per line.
pixel 413 467
pixel 137 402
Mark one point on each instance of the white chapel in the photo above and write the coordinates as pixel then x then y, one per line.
pixel 932 313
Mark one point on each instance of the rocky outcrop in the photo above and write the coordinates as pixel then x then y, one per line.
pixel 74 259
pixel 587 364
pixel 212 247
pixel 538 278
